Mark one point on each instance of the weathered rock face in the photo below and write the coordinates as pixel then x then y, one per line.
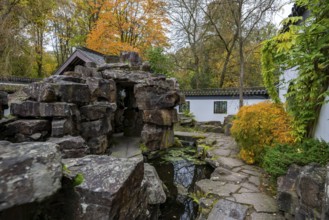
pixel 92 102
pixel 3 102
pixel 156 137
pixel 27 130
pixel 154 188
pixel 30 172
pixel 301 191
pixel 71 147
pixel 112 188
pixel 210 126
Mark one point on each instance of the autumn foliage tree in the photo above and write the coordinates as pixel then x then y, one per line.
pixel 129 25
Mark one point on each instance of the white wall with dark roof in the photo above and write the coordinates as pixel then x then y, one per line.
pixel 203 107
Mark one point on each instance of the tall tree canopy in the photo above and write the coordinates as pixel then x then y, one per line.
pixel 129 25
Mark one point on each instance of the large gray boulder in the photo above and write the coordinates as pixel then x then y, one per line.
pixel 96 128
pixel 97 110
pixel 149 97
pixel 310 190
pixel 102 89
pixel 30 172
pixel 165 117
pixel 111 188
pixel 60 90
pixel 156 137
pixel 3 102
pixel 287 196
pixel 301 192
pixel 62 127
pixel 71 147
pixel 154 186
pixel 41 109
pixel 27 130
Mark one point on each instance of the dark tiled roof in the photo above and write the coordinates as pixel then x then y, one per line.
pixel 79 57
pixel 226 92
pixel 95 56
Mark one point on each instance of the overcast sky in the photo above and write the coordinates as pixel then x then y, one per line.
pixel 282 14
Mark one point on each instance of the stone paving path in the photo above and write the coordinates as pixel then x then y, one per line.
pixel 125 147
pixel 234 190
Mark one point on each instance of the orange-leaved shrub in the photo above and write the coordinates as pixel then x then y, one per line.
pixel 260 125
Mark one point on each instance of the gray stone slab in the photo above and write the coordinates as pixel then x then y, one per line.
pixel 260 201
pixel 220 152
pixel 126 147
pixel 265 216
pixel 225 175
pixel 229 163
pixel 251 172
pixel 250 187
pixel 228 210
pixel 255 180
pixel 190 134
pixel 216 188
pixel 29 172
pixel 245 190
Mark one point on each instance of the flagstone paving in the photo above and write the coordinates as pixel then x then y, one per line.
pixel 235 189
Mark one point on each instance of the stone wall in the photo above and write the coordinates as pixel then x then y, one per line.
pixel 67 117
pixel 3 102
pixel 302 194
pixel 84 107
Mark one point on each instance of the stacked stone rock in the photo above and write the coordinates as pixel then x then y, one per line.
pixel 71 115
pixel 77 110
pixel 3 102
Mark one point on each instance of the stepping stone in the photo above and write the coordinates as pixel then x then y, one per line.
pixel 262 216
pixel 216 188
pixel 220 152
pixel 225 175
pixel 228 210
pixel 229 163
pixel 250 187
pixel 251 172
pixel 245 190
pixel 255 180
pixel 261 202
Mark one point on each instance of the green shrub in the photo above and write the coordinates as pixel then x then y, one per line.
pixel 278 158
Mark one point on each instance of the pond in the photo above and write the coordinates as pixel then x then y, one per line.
pixel 179 169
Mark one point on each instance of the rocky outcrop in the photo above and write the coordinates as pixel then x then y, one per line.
pixel 154 186
pixel 93 102
pixel 76 114
pixel 111 188
pixel 301 192
pixel 30 172
pixel 3 102
pixel 210 126
pixel 70 146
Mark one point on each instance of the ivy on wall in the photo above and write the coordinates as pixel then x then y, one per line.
pixel 304 45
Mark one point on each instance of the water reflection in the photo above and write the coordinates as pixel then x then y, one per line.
pixel 183 173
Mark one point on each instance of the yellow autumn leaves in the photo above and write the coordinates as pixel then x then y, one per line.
pixel 260 125
pixel 133 25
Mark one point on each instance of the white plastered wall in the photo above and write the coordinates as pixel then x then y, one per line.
pixel 203 108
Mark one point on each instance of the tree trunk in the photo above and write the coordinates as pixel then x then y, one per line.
pixel 241 65
pixel 227 60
